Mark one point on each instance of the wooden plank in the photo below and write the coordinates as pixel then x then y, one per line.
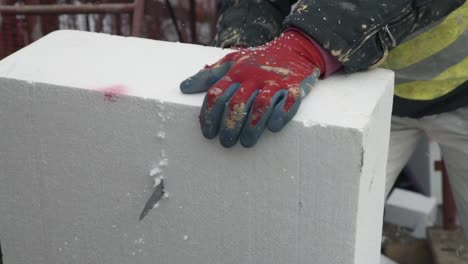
pixel 402 248
pixel 448 246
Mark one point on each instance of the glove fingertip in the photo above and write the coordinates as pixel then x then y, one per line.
pixel 228 137
pixel 187 86
pixel 232 127
pixel 210 117
pixel 198 83
pixel 209 132
pixel 209 121
pixel 279 118
pixel 249 139
pixel 204 79
pixel 251 134
pixel 227 143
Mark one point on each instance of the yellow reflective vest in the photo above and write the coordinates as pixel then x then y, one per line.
pixel 431 68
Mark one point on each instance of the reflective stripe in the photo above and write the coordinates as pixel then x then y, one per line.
pixel 439 37
pixel 439 86
pixel 434 63
pixel 433 66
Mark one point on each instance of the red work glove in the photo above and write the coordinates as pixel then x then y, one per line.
pixel 254 88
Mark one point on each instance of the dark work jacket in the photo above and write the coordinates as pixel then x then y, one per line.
pixel 358 33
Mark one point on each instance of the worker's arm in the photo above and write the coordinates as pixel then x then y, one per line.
pixel 250 23
pixel 360 33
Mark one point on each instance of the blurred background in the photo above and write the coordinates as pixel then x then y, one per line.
pixel 25 21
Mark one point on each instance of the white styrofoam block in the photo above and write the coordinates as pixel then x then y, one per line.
pixel 411 210
pixel 385 260
pixel 89 120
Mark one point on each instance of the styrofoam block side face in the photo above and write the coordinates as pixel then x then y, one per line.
pixel 372 183
pixel 19 211
pixel 329 212
pixel 84 178
pixel 93 161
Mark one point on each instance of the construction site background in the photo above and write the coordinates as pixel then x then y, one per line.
pixel 191 21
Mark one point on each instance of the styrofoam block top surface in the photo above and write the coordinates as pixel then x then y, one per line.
pixel 411 201
pixel 154 69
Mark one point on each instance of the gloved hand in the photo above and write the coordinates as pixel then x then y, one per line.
pixel 254 88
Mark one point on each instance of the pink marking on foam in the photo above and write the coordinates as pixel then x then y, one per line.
pixel 111 93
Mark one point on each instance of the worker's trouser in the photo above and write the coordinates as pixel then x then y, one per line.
pixel 450 130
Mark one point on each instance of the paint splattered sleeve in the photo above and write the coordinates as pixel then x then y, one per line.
pixel 360 33
pixel 250 22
